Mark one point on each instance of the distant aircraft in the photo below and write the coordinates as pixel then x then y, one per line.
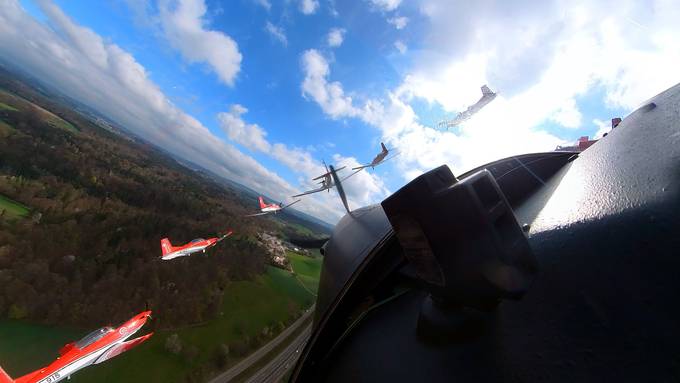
pixel 196 245
pixel 270 208
pixel 94 348
pixel 379 159
pixel 487 97
pixel 326 181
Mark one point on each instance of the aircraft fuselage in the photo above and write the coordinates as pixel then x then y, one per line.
pixel 98 351
pixel 379 158
pixel 184 252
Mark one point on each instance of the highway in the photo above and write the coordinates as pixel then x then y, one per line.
pixel 253 358
pixel 277 367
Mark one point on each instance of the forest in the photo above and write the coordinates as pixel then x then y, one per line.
pixel 98 202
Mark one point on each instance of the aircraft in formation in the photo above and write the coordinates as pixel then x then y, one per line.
pixel 96 347
pixel 266 208
pixel 327 182
pixel 108 342
pixel 487 96
pixel 196 245
pixel 379 159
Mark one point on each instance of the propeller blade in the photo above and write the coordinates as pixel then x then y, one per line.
pixel 230 232
pixel 341 190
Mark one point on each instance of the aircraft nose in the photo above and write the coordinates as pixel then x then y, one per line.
pixel 142 317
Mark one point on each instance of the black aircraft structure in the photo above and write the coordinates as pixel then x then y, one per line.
pixel 545 267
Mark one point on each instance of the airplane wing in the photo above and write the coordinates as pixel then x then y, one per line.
pixel 256 214
pixel 311 192
pixel 358 168
pixel 230 232
pixel 362 167
pixel 4 378
pixel 396 153
pixel 327 173
pixel 121 348
pixel 341 190
pixel 291 204
pixel 353 173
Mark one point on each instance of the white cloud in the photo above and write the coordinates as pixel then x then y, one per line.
pixel 540 61
pixel 309 7
pixel 485 138
pixel 401 47
pixel 101 75
pixel 398 22
pixel 277 33
pixel 249 135
pixel 183 26
pixel 602 128
pixel 329 95
pixel 520 44
pixel 335 37
pixel 540 57
pixel 264 4
pixel 568 115
pixel 386 5
pixel 362 188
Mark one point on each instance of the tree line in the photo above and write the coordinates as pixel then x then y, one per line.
pixel 91 254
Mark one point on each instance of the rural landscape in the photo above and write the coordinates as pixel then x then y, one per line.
pixel 83 206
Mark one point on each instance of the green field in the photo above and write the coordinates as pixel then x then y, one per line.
pixel 308 270
pixel 18 102
pixel 5 129
pixel 4 106
pixel 12 208
pixel 25 347
pixel 59 123
pixel 247 308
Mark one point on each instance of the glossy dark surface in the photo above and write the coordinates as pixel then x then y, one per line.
pixel 605 230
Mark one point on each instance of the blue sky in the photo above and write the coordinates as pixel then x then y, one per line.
pixel 261 91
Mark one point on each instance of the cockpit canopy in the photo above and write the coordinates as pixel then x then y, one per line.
pixel 93 337
pixel 197 240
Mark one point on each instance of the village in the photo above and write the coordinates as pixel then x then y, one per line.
pixel 278 248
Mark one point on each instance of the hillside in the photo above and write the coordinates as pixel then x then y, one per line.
pixel 80 243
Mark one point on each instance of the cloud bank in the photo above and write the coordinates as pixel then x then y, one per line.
pixel 103 76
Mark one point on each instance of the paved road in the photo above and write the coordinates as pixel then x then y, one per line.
pixel 262 351
pixel 277 368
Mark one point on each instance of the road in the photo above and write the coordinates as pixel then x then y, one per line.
pixel 277 368
pixel 264 350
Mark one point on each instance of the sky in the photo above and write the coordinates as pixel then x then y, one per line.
pixel 263 91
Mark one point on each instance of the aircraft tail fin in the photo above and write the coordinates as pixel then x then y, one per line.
pixel 262 204
pixel 486 90
pixel 4 378
pixel 383 147
pixel 166 246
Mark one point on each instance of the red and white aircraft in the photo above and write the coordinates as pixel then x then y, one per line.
pixel 196 245
pixel 379 159
pixel 271 208
pixel 94 348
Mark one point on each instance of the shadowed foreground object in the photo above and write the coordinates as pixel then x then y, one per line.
pixel 440 284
